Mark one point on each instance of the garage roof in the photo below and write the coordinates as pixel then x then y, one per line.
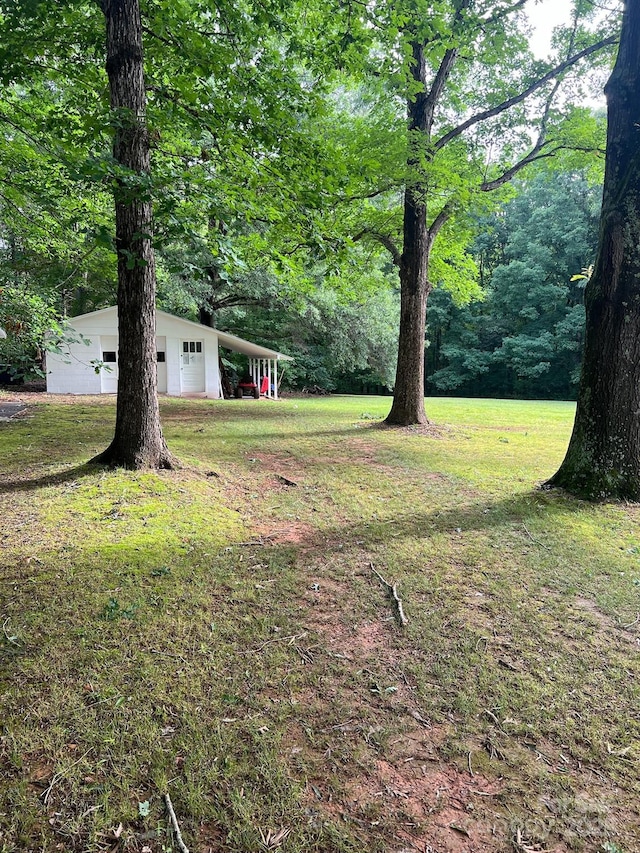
pixel 231 342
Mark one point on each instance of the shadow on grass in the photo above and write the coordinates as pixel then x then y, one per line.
pixel 478 516
pixel 22 484
pixel 186 410
pixel 283 435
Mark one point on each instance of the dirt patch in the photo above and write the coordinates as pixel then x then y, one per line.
pixel 211 838
pixel 34 397
pixel 417 806
pixel 629 633
pixel 288 533
pixel 592 608
pixel 430 430
pixel 384 757
pixel 332 611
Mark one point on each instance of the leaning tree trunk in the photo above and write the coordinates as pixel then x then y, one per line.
pixel 603 458
pixel 408 394
pixel 138 440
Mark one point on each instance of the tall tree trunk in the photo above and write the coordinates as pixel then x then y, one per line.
pixel 138 440
pixel 408 393
pixel 603 458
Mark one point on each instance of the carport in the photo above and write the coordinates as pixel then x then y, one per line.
pixel 263 362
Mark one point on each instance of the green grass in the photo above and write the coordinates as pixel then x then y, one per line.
pixel 217 634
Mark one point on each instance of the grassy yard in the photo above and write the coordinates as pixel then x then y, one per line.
pixel 219 633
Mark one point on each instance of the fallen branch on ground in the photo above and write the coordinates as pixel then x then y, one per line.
pixel 535 541
pixel 254 543
pixel 393 589
pixel 176 826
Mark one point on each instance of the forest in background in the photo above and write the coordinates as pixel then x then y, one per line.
pixel 520 335
pixel 276 226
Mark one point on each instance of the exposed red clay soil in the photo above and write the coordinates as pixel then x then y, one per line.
pixel 374 764
pixel 409 798
pixel 402 792
pixel 288 533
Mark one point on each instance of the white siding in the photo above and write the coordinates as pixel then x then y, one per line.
pixel 161 346
pixel 109 370
pixel 75 375
pixel 212 375
pixel 72 373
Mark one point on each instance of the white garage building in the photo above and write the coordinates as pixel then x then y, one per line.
pixel 188 357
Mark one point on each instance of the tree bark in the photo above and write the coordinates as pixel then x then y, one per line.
pixel 138 441
pixel 408 393
pixel 603 458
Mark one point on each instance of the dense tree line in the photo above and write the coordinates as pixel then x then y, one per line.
pixel 524 337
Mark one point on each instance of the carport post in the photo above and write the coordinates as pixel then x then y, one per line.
pixel 269 378
pixel 275 378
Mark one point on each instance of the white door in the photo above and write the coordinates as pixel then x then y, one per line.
pixel 109 368
pixel 192 367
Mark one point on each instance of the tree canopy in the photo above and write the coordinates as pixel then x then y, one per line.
pixel 288 142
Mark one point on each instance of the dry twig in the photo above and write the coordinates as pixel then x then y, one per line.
pixel 393 589
pixel 174 823
pixel 535 541
pixel 58 776
pixel 13 639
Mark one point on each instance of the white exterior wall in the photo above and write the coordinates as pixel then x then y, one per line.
pixel 75 375
pixel 211 368
pixel 174 388
pixel 71 373
pixel 176 331
pixel 161 346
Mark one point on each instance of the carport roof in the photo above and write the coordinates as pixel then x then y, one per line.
pixel 248 348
